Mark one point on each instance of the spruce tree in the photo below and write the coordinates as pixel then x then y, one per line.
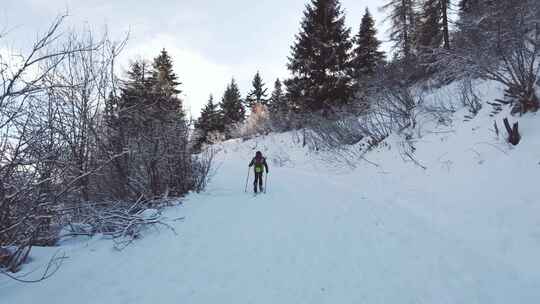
pixel 205 121
pixel 433 25
pixel 165 85
pixel 278 106
pixel 163 75
pixel 232 109
pixel 277 97
pixel 469 7
pixel 135 90
pixel 152 125
pixel 320 59
pixel 215 121
pixel 258 94
pixel 209 121
pixel 489 23
pixel 366 55
pixel 403 28
pixel 166 133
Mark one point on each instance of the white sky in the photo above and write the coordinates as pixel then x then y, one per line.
pixel 210 41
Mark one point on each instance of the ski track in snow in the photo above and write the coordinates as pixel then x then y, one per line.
pixel 362 236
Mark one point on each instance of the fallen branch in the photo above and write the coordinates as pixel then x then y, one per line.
pixel 50 269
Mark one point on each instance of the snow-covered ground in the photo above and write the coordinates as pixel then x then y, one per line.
pixel 464 230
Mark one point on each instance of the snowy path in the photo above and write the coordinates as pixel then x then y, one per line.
pixel 314 238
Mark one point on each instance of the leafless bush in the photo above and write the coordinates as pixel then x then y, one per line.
pixel 158 161
pixel 203 168
pixel 389 105
pixel 324 134
pixel 407 151
pixel 502 43
pixel 399 104
pixel 339 139
pixel 26 178
pixel 392 106
pixel 375 126
pixel 121 221
pixel 50 104
pixel 257 123
pixel 468 97
pixel 49 269
pixel 62 151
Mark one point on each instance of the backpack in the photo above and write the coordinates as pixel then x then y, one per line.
pixel 259 163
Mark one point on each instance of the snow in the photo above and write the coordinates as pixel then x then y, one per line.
pixel 464 230
pixel 149 214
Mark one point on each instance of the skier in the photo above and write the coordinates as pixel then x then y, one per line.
pixel 259 163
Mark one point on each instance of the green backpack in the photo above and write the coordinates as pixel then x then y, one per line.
pixel 259 163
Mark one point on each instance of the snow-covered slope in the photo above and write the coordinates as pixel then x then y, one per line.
pixel 464 230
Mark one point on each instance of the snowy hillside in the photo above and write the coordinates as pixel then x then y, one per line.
pixel 466 229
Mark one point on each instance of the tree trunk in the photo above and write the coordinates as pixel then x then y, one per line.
pixel 406 44
pixel 446 36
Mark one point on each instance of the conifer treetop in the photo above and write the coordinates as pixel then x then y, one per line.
pixel 258 94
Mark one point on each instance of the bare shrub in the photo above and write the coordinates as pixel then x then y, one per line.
pixel 407 151
pixel 29 146
pixel 391 105
pixel 502 43
pixel 374 125
pixel 59 157
pixel 468 97
pixel 203 168
pixel 325 134
pixel 46 272
pixel 121 221
pixel 257 123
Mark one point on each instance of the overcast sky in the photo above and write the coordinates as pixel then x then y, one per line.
pixel 210 41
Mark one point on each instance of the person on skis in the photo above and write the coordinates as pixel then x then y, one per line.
pixel 259 164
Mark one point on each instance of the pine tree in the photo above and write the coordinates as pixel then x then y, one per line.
pixel 469 6
pixel 115 144
pixel 166 131
pixel 403 18
pixel 433 25
pixel 165 85
pixel 163 75
pixel 206 121
pixel 366 55
pixel 487 23
pixel 278 106
pixel 151 124
pixel 277 99
pixel 258 94
pixel 232 109
pixel 215 121
pixel 320 59
pixel 135 90
pixel 209 121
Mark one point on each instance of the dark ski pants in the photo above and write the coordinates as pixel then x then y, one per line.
pixel 258 179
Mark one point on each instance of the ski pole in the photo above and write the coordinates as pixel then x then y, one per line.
pixel 265 182
pixel 247 179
